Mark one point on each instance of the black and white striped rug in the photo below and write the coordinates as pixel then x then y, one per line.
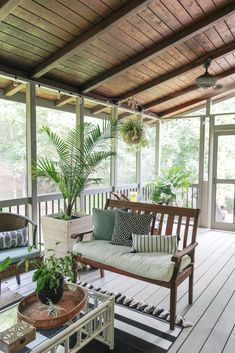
pixel 136 332
pixel 139 327
pixel 140 306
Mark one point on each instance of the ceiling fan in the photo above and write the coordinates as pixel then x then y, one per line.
pixel 207 80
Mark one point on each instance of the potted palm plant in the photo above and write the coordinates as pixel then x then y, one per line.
pixel 78 156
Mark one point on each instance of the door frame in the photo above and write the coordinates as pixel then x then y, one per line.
pixel 220 130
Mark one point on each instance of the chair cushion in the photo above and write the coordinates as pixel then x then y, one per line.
pixel 13 238
pixel 127 223
pixel 154 243
pixel 103 223
pixel 157 266
pixel 16 254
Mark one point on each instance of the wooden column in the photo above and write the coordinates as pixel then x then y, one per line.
pixel 79 110
pixel 114 147
pixel 80 120
pixel 138 163
pixel 31 149
pixel 158 149
pixel 210 161
pixel 201 161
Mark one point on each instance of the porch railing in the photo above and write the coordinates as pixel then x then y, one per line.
pixel 53 203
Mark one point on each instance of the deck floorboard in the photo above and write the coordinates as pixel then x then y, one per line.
pixel 212 313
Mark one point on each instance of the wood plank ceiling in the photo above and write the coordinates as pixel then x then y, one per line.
pixel 150 51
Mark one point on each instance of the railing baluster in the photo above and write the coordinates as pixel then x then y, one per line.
pixel 40 224
pixel 89 204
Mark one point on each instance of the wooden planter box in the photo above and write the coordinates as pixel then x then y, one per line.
pixel 57 230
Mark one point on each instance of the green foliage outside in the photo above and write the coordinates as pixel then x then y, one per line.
pixel 12 150
pixel 180 141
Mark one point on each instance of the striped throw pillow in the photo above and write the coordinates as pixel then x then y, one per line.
pixel 154 243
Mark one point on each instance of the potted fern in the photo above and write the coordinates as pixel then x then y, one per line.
pixel 79 155
pixel 132 132
pixel 171 186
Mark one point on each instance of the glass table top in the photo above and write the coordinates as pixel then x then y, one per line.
pixel 8 318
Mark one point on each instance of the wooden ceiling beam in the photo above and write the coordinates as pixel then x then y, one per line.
pixel 216 92
pixel 159 48
pixel 215 54
pixel 186 90
pixel 13 89
pixel 64 100
pixel 12 72
pixel 90 36
pixel 169 97
pixel 7 6
pixel 99 109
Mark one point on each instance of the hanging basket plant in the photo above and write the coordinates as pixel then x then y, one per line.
pixel 132 132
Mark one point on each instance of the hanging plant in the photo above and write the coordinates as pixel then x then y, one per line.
pixel 133 133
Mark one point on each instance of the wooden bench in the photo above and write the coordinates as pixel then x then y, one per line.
pixel 166 220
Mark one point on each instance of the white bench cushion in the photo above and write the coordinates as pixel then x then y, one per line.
pixel 156 266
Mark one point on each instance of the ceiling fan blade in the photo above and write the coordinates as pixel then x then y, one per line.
pixel 219 86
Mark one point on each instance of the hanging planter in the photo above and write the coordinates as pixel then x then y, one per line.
pixel 132 132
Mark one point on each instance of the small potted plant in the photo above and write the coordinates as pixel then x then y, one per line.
pixel 49 275
pixel 162 191
pixel 171 185
pixel 132 132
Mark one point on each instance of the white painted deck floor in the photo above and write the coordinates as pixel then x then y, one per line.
pixel 213 311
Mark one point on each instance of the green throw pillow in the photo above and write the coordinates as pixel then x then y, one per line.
pixel 103 223
pixel 126 224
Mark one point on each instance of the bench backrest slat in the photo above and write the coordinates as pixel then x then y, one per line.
pixel 164 217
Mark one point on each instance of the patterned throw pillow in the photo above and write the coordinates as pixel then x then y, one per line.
pixel 154 243
pixel 127 223
pixel 13 238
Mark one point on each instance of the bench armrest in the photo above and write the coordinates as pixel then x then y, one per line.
pixel 187 250
pixel 80 235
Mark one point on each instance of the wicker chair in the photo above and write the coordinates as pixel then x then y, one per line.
pixel 9 222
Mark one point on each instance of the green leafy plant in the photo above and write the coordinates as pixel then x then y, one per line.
pixel 173 182
pixel 133 133
pixel 78 157
pixel 48 271
pixel 6 262
pixel 162 191
pixel 178 177
pixel 52 309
